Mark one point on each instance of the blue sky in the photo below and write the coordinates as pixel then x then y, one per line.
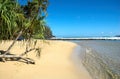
pixel 84 17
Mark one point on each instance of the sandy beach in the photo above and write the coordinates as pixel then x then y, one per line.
pixel 55 62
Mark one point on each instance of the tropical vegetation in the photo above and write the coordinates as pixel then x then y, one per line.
pixel 25 21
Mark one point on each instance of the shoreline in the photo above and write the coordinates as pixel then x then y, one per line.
pixel 88 38
pixel 55 62
pixel 100 57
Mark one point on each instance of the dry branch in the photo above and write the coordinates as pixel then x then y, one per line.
pixel 16 58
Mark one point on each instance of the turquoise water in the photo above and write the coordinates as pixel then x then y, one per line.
pixel 101 58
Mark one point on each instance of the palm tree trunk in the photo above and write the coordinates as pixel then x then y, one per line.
pixel 20 33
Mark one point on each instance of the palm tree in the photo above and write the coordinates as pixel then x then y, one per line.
pixel 26 21
pixel 7 21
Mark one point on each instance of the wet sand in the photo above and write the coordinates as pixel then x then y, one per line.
pixel 55 62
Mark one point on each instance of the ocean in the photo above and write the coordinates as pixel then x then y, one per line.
pixel 101 58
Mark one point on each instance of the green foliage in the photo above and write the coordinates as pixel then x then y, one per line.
pixel 8 16
pixel 29 19
pixel 47 32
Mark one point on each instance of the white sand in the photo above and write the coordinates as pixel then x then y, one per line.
pixel 55 62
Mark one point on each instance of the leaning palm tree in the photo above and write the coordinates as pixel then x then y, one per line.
pixel 16 21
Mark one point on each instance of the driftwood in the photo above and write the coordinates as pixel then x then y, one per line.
pixel 6 56
pixel 16 58
pixel 13 57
